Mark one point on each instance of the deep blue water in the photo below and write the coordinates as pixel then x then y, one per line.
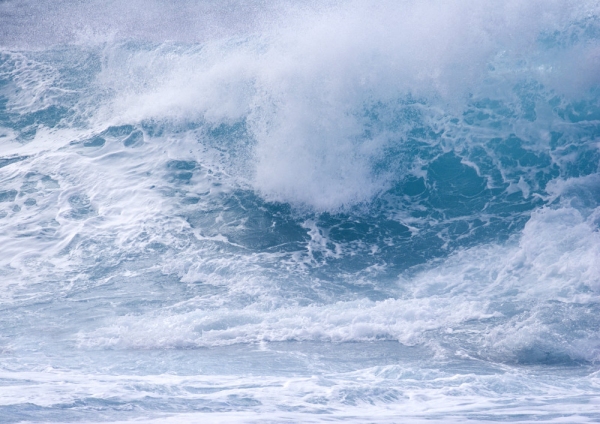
pixel 297 212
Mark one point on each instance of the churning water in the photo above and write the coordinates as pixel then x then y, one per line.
pixel 236 211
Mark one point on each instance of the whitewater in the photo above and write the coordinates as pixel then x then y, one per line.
pixel 300 211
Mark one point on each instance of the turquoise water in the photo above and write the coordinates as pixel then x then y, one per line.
pixel 299 212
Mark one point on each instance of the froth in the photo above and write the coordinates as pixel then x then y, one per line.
pixel 533 300
pixel 307 90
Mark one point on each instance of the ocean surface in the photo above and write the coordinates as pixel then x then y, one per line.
pixel 299 211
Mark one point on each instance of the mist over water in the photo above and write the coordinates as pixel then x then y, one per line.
pixel 298 212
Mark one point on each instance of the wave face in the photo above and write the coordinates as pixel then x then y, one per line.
pixel 241 212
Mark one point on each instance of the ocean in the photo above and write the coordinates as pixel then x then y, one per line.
pixel 300 211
